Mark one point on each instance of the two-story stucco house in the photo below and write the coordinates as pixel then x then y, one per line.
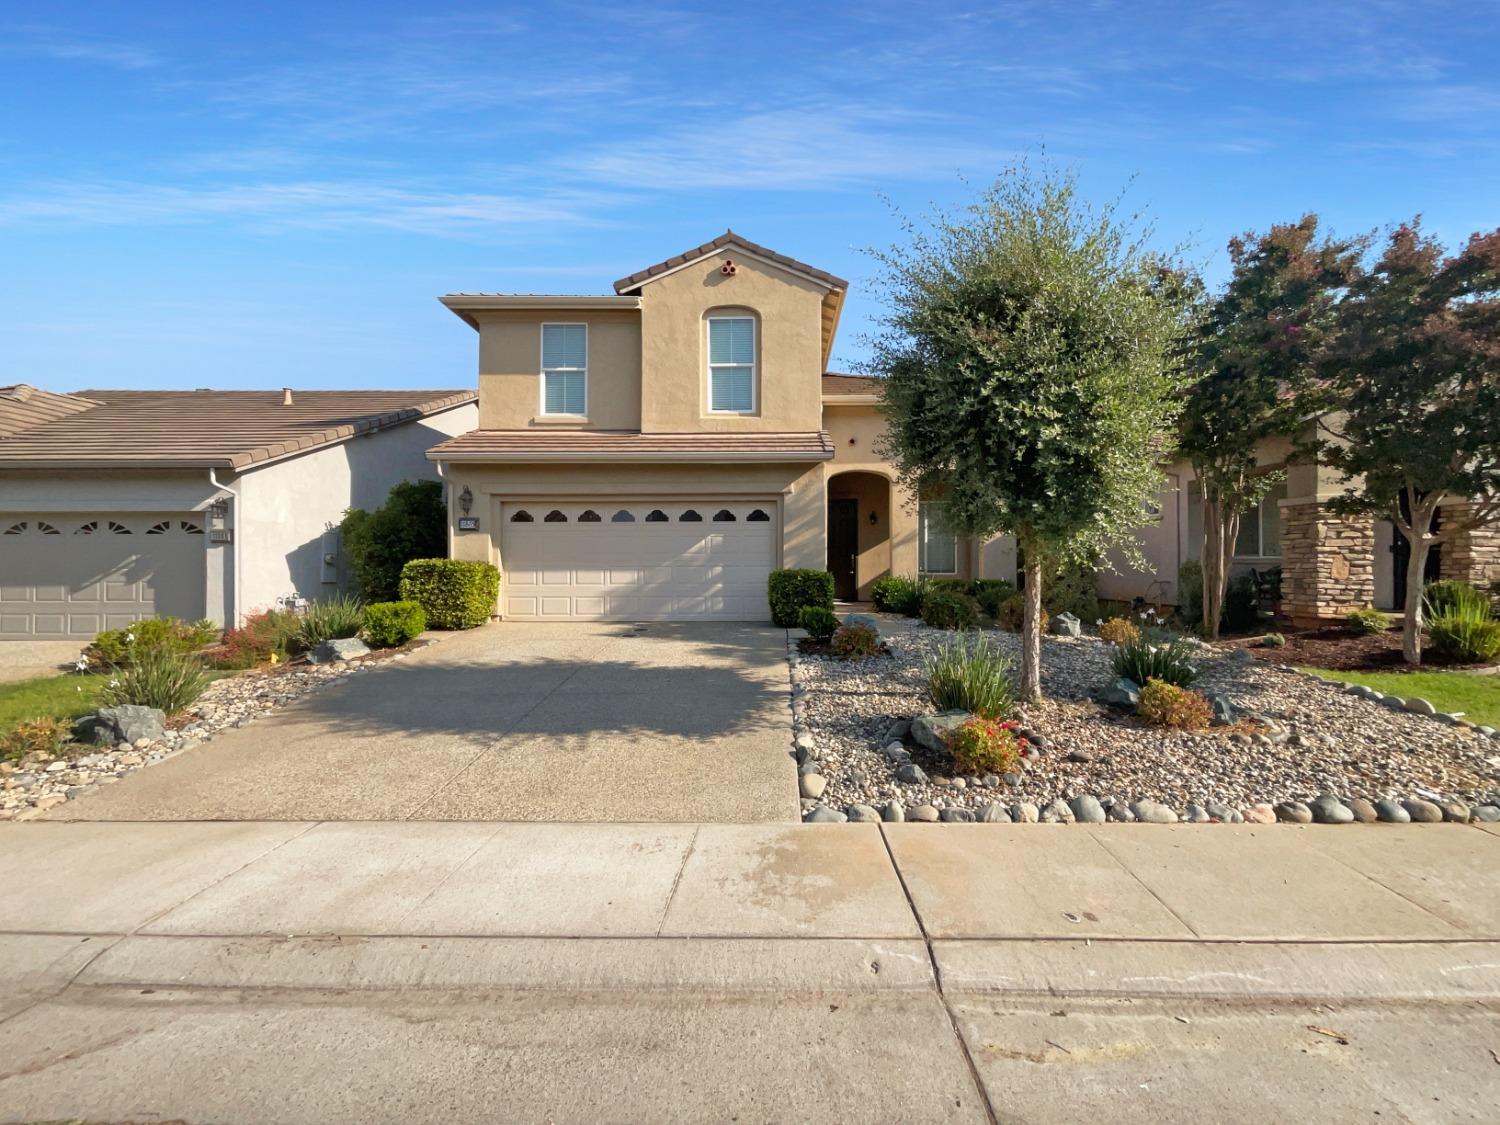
pixel 658 451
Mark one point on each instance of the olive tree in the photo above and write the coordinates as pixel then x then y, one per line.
pixel 1413 414
pixel 1253 354
pixel 1031 377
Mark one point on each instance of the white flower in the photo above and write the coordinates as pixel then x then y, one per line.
pixel 130 637
pixel 1143 617
pixel 114 683
pixel 1098 621
pixel 81 665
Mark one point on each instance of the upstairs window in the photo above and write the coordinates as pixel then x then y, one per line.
pixel 731 364
pixel 565 369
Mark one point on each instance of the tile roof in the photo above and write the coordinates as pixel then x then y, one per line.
pixel 837 383
pixel 728 238
pixel 631 445
pixel 210 429
pixel 23 406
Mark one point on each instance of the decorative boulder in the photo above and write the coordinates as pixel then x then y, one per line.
pixel 868 621
pixel 1222 706
pixel 1066 625
pixel 931 731
pixel 1121 693
pixel 126 723
pixel 345 648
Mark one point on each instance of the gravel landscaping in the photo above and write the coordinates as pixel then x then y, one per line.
pixel 32 786
pixel 1300 747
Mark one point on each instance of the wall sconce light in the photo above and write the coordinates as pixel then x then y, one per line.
pixel 219 509
pixel 874 519
pixel 466 500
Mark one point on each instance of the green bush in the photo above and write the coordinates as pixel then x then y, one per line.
pixel 1465 631
pixel 971 674
pixel 1241 607
pixel 985 746
pixel 411 524
pixel 1167 705
pixel 894 593
pixel 1144 659
pixel 948 609
pixel 159 677
pixel 1072 588
pixel 990 593
pixel 330 619
pixel 817 622
pixel 388 624
pixel 790 590
pixel 1366 622
pixel 1440 597
pixel 1190 593
pixel 1272 640
pixel 453 593
pixel 855 642
pixel 952 585
pixel 120 647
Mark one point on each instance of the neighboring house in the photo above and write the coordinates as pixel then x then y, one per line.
pixel 118 505
pixel 658 451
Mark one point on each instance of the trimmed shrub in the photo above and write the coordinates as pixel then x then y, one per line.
pixel 159 678
pixel 1167 705
pixel 330 619
pixel 894 593
pixel 985 746
pixel 948 609
pixel 1272 640
pixel 1011 612
pixel 119 647
pixel 1190 593
pixel 855 642
pixel 789 590
pixel 1465 631
pixel 817 622
pixel 990 592
pixel 43 737
pixel 388 624
pixel 971 675
pixel 1170 661
pixel 411 524
pixel 1366 622
pixel 453 593
pixel 1120 631
pixel 1241 607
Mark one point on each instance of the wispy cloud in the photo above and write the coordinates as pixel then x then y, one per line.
pixel 316 205
pixel 34 41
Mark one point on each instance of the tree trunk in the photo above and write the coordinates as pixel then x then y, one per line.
pixel 1220 529
pixel 1031 630
pixel 1411 621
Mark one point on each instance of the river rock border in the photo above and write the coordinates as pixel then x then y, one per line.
pixel 31 788
pixel 1325 808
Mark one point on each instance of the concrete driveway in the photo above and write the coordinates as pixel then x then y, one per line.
pixel 513 721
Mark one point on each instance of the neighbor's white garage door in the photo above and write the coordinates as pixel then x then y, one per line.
pixel 653 560
pixel 71 575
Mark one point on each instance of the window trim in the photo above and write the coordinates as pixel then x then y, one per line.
pixel 923 526
pixel 754 364
pixel 541 340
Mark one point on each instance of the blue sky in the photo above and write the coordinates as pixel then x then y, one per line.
pixel 268 194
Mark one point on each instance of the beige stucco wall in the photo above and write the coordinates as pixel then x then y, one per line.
pixel 286 507
pixel 510 369
pixel 797 490
pixel 674 347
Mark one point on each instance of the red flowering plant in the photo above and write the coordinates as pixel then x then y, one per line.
pixel 982 746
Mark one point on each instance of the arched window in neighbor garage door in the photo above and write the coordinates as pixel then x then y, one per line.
pixel 622 516
pixel 690 516
pixel 589 516
pixel 724 515
pixel 656 515
pixel 758 516
pixel 554 516
pixel 523 516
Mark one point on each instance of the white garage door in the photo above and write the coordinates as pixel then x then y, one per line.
pixel 650 560
pixel 72 575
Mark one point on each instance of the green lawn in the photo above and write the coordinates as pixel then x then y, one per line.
pixel 1478 697
pixel 54 697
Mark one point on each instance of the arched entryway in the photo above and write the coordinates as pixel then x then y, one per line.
pixel 859 532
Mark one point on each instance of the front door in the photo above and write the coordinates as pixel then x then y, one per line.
pixel 1401 556
pixel 843 546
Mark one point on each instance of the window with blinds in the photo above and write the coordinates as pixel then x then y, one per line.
pixel 731 364
pixel 565 364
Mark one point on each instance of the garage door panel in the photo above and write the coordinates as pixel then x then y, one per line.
pixel 78 573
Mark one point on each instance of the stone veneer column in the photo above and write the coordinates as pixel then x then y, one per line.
pixel 1327 562
pixel 1473 556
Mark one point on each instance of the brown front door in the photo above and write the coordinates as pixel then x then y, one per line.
pixel 843 545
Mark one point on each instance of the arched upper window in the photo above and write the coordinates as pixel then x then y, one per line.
pixel 190 528
pixel 622 516
pixel 46 528
pixel 87 528
pixel 16 528
pixel 554 516
pixel 159 528
pixel 731 362
pixel 690 516
pixel 523 516
pixel 758 516
pixel 118 528
pixel 589 516
pixel 656 515
pixel 724 515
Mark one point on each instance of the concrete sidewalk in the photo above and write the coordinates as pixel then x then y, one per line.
pixel 480 971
